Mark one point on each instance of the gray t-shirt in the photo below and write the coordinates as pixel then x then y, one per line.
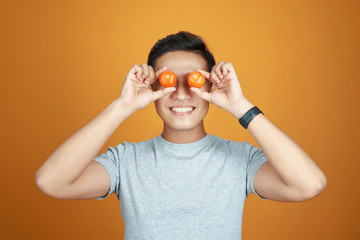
pixel 192 191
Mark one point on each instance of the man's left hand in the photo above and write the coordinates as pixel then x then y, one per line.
pixel 226 91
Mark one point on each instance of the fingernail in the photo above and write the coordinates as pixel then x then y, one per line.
pixel 147 81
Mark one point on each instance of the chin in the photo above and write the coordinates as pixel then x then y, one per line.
pixel 182 126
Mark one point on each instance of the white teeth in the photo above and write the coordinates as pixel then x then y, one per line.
pixel 187 109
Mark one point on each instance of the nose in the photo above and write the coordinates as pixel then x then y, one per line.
pixel 182 91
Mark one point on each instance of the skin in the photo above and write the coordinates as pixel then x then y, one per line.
pixel 222 88
pixel 182 129
pixel 70 173
pixel 289 175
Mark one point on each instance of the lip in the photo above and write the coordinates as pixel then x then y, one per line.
pixel 181 106
pixel 182 113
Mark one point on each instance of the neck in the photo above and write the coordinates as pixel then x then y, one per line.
pixel 184 136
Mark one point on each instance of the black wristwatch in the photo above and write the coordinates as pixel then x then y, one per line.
pixel 248 116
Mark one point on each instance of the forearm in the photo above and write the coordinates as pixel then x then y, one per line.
pixel 74 155
pixel 290 161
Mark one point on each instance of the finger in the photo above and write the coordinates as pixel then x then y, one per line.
pixel 158 72
pixel 201 94
pixel 162 92
pixel 213 87
pixel 137 71
pixel 207 75
pixel 218 69
pixel 151 78
pixel 213 76
pixel 227 68
pixel 146 73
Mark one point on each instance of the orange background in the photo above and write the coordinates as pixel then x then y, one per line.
pixel 63 62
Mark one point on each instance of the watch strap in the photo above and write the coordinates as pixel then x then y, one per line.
pixel 248 116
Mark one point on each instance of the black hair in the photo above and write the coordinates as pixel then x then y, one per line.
pixel 184 41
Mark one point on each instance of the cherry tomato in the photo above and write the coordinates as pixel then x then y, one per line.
pixel 167 78
pixel 196 79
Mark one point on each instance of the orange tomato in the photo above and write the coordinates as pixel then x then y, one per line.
pixel 167 79
pixel 196 79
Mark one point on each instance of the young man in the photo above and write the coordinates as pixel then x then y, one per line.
pixel 184 183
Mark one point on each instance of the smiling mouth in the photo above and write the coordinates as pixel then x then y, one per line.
pixel 182 109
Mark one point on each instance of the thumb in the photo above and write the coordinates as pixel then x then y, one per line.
pixel 203 95
pixel 163 92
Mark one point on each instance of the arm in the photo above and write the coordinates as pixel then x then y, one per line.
pixel 290 174
pixel 70 171
pixel 73 156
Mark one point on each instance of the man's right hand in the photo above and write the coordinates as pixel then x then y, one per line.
pixel 136 92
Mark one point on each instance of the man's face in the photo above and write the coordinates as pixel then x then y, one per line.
pixel 182 109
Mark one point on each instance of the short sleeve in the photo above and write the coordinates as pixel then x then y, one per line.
pixel 111 162
pixel 255 159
